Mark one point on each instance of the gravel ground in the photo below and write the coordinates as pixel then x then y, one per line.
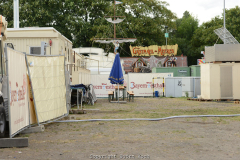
pixel 174 139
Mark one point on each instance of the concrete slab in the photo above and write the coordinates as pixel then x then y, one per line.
pixel 36 129
pixel 13 142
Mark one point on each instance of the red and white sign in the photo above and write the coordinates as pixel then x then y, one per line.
pixel 19 110
pixel 139 83
pixel 102 85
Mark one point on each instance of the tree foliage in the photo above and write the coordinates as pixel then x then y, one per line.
pixel 83 20
pixel 186 26
pixel 144 20
pixel 192 38
pixel 72 18
pixel 205 36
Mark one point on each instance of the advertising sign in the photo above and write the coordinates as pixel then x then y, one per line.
pixel 102 85
pixel 141 83
pixel 154 50
pixel 18 88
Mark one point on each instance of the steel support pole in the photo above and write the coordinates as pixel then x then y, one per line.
pixel 8 91
pixel 16 13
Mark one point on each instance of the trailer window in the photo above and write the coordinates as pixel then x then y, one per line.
pixel 35 50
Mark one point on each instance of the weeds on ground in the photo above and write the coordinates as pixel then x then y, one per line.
pixel 160 108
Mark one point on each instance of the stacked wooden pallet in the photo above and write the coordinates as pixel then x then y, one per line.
pixel 236 101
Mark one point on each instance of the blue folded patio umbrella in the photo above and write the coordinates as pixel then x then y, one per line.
pixel 116 75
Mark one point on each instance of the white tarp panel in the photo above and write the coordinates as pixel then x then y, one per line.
pixel 33 117
pixel 18 88
pixel 84 78
pixel 48 82
pixel 141 83
pixel 102 85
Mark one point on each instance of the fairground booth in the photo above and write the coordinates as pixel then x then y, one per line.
pixel 144 59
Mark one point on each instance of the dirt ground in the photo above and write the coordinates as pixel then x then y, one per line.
pixel 173 139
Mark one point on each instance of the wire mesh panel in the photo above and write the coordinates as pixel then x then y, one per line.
pixel 47 76
pixel 225 36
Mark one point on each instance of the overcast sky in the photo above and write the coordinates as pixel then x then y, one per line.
pixel 204 10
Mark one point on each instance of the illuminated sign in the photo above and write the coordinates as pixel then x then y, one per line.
pixel 154 50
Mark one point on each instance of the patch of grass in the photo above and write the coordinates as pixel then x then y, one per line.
pixel 179 131
pixel 161 107
pixel 204 119
pixel 24 135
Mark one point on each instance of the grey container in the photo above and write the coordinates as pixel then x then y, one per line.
pixel 182 86
pixel 222 52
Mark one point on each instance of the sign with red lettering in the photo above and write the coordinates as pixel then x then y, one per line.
pixel 142 83
pixel 102 85
pixel 154 50
pixel 18 88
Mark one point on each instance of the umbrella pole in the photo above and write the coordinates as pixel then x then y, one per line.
pixel 118 92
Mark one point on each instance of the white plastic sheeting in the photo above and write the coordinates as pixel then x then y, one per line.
pixel 47 76
pixel 18 91
pixel 139 83
pixel 102 85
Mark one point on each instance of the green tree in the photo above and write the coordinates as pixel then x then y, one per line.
pixel 44 13
pixel 205 36
pixel 186 26
pixel 144 20
pixel 82 20
pixel 73 18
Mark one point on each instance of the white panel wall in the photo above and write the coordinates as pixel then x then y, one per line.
pixel 182 86
pixel 210 80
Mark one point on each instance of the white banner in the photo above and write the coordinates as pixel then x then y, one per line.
pixel 48 84
pixel 18 88
pixel 102 85
pixel 141 83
